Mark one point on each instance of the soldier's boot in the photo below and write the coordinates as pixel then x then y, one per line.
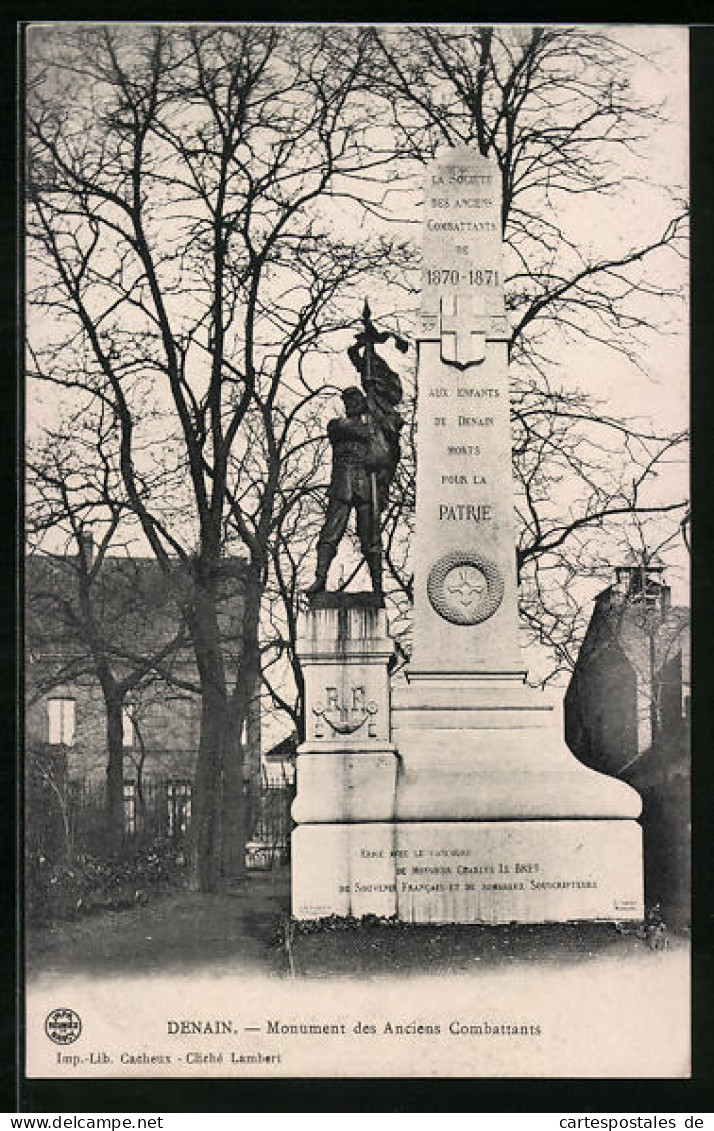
pixel 325 554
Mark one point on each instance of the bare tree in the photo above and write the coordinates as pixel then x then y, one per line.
pixel 190 190
pixel 556 109
pixel 564 536
pixel 185 190
pixel 87 609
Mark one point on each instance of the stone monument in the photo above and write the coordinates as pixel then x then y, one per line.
pixel 455 798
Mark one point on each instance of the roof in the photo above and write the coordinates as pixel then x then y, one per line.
pixel 135 604
pixel 621 620
pixel 283 750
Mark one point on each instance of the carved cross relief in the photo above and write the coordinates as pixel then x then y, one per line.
pixel 459 327
pixel 463 332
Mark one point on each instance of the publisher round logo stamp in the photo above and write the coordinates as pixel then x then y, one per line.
pixel 63 1026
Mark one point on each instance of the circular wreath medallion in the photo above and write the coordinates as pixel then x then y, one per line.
pixel 465 587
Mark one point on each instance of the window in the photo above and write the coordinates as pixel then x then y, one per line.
pixel 178 794
pixel 127 727
pixel 61 717
pixel 129 808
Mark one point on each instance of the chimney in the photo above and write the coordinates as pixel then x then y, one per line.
pixel 643 580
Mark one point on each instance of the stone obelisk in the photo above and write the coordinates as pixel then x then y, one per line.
pixel 464 493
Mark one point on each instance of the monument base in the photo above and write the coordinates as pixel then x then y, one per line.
pixel 470 871
pixel 486 747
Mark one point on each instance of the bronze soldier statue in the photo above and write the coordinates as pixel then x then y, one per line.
pixel 365 454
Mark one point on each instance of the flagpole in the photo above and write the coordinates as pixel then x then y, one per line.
pixel 376 532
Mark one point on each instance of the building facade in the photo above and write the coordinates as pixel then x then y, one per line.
pixel 130 614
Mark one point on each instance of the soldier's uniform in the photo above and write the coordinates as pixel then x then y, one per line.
pixel 351 486
pixel 365 453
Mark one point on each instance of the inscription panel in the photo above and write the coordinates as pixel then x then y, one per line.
pixel 467 478
pixel 465 872
pixel 462 231
pixel 468 438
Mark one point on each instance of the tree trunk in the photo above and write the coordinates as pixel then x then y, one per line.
pixel 207 812
pixel 208 791
pixel 238 826
pixel 115 774
pixel 235 829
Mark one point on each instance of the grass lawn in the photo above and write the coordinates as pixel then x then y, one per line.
pixel 244 928
pixel 177 929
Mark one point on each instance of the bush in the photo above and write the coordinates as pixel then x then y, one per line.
pixel 93 883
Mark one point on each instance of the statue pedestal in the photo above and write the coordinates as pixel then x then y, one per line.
pixel 347 766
